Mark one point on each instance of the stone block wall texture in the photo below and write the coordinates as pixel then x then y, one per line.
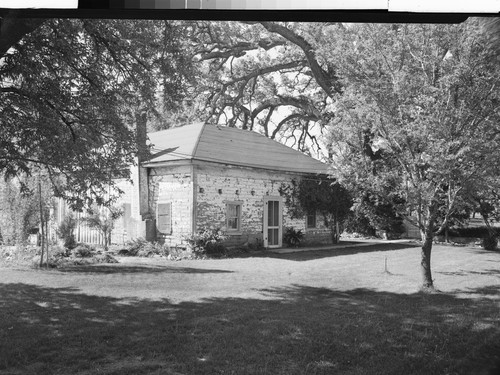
pixel 198 195
pixel 174 185
pixel 217 185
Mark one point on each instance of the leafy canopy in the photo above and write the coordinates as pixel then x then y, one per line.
pixel 321 195
pixel 420 115
pixel 69 93
pixel 419 120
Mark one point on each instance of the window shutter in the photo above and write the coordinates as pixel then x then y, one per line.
pixel 164 218
pixel 127 212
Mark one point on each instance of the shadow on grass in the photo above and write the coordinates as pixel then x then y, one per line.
pixel 480 250
pixel 492 290
pixel 306 255
pixel 468 273
pixel 293 330
pixel 123 269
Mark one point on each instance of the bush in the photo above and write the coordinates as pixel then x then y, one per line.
pixel 83 251
pixel 257 245
pixel 66 232
pixel 105 258
pixel 490 242
pixel 474 232
pixel 150 249
pixel 59 252
pixel 357 223
pixel 293 237
pixel 82 254
pixel 208 241
pixel 142 248
pixel 489 236
pixel 35 262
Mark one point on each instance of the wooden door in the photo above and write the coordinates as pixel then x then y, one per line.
pixel 273 222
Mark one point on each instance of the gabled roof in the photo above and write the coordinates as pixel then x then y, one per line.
pixel 226 145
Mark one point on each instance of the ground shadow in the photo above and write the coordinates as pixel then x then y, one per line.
pixel 331 252
pixel 480 250
pixel 124 269
pixel 292 330
pixel 491 290
pixel 468 273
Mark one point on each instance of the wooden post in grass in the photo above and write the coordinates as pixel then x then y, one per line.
pixel 42 226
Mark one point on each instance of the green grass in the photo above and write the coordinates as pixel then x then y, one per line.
pixel 297 314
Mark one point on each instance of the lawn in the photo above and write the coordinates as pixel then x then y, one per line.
pixel 323 312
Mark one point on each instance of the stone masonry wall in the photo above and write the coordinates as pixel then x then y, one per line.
pixel 174 185
pixel 212 186
pixel 217 185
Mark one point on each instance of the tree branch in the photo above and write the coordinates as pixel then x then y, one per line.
pixel 236 50
pixel 326 80
pixel 266 70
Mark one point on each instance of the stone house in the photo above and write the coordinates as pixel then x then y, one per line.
pixel 205 176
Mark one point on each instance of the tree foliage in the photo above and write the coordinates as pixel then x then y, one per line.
pixel 263 76
pixel 66 231
pixel 70 93
pixel 324 196
pixel 371 213
pixel 20 207
pixel 420 114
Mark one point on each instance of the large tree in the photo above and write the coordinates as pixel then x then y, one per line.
pixel 263 76
pixel 74 97
pixel 418 124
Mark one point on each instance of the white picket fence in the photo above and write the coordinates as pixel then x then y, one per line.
pixel 83 233
pixel 88 235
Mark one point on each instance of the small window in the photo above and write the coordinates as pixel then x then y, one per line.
pixel 311 220
pixel 164 218
pixel 233 216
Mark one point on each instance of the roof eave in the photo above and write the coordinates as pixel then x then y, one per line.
pixel 167 163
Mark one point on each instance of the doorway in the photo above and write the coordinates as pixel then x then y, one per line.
pixel 273 222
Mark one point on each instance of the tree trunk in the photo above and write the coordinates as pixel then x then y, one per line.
pixel 42 225
pixel 427 283
pixel 330 223
pixel 46 236
pixel 487 223
pixel 337 230
pixel 107 236
pixel 141 120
